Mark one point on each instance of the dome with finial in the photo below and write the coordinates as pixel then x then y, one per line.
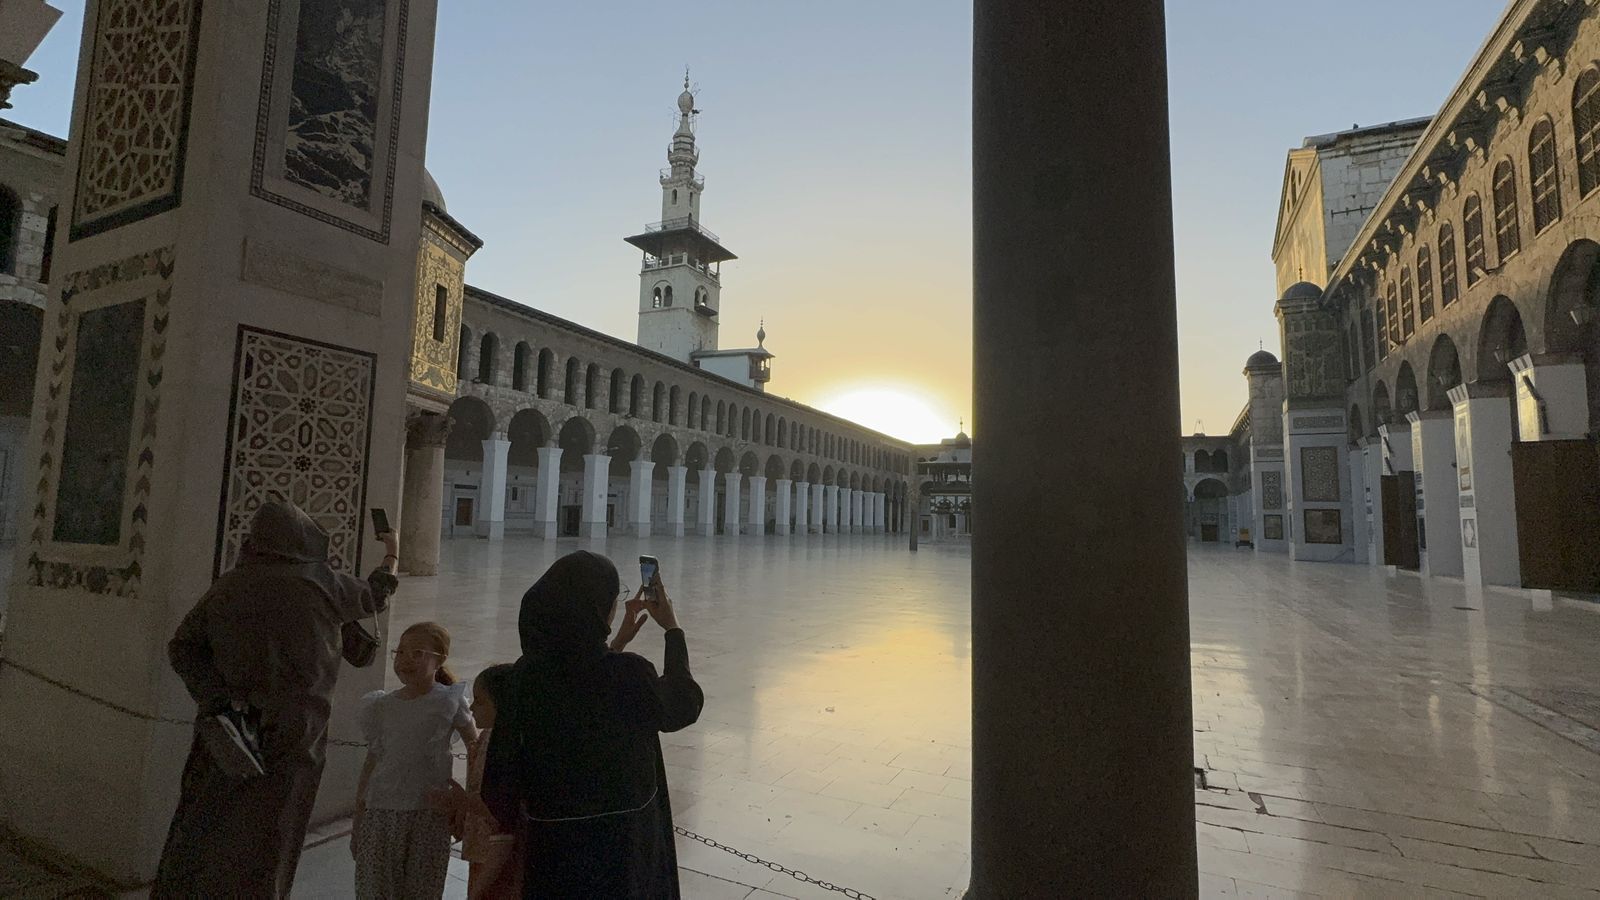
pixel 686 99
pixel 1261 359
pixel 431 193
pixel 761 333
pixel 1302 290
pixel 961 440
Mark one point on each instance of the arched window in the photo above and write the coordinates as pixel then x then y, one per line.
pixel 1424 283
pixel 744 424
pixel 666 295
pixel 616 390
pixel 519 366
pixel 569 385
pixel 722 411
pixel 1507 236
pixel 1542 171
pixel 658 402
pixel 542 377
pixel 10 229
pixel 674 196
pixel 441 311
pixel 1386 320
pixel 694 410
pixel 705 413
pixel 1586 130
pixel 1352 353
pixel 1408 321
pixel 1472 218
pixel 733 419
pixel 1449 288
pixel 635 395
pixel 591 386
pixel 768 429
pixel 486 358
pixel 1378 331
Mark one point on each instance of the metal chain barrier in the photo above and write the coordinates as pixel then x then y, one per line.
pixel 796 874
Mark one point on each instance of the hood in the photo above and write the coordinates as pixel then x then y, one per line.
pixel 282 530
pixel 566 612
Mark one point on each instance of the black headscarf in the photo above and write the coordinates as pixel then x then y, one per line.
pixel 565 615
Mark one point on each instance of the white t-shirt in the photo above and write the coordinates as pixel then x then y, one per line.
pixel 411 739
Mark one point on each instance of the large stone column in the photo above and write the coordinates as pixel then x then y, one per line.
pixel 596 493
pixel 547 494
pixel 492 488
pixel 1433 453
pixel 730 503
pixel 802 507
pixel 421 511
pixel 677 481
pixel 1552 397
pixel 879 502
pixel 1371 499
pixel 853 510
pixel 756 523
pixel 1072 208
pixel 781 510
pixel 830 509
pixel 707 519
pixel 1490 552
pixel 641 494
pixel 815 508
pixel 207 285
pixel 1356 470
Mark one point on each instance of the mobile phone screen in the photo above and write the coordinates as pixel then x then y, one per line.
pixel 380 522
pixel 647 570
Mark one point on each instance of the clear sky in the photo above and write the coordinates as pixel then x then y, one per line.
pixel 835 142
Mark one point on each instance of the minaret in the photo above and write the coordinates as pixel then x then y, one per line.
pixel 680 277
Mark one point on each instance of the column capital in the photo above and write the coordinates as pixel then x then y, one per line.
pixel 424 429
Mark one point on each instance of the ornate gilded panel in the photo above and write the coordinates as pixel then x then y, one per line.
pixel 98 426
pixel 436 331
pixel 299 429
pixel 136 112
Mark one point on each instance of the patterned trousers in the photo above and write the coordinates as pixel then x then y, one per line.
pixel 402 854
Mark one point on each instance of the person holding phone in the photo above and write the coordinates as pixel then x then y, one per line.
pixel 574 764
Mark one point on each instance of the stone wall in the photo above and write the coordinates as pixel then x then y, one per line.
pixel 31 168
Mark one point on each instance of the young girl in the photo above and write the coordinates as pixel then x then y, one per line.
pixel 495 866
pixel 401 841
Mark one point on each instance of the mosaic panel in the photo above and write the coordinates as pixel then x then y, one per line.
pixel 1272 528
pixel 136 117
pixel 433 361
pixel 1324 526
pixel 1272 490
pixel 1319 474
pixel 300 430
pixel 101 550
pixel 328 118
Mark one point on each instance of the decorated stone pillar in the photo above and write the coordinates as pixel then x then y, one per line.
pixel 815 508
pixel 596 494
pixel 730 500
pixel 547 494
pixel 1317 483
pixel 491 522
pixel 781 511
pixel 677 483
pixel 239 230
pixel 421 510
pixel 1552 397
pixel 641 493
pixel 756 521
pixel 830 509
pixel 706 521
pixel 1269 528
pixel 1433 456
pixel 1490 552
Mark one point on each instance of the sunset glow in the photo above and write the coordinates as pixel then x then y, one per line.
pixel 896 410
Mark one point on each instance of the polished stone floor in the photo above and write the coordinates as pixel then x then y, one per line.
pixel 1362 733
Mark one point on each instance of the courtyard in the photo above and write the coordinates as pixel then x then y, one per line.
pixel 1360 734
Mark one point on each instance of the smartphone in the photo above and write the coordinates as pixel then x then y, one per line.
pixel 649 566
pixel 380 523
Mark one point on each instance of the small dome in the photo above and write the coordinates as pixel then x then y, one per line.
pixel 1303 290
pixel 962 440
pixel 686 102
pixel 431 192
pixel 1260 358
pixel 761 334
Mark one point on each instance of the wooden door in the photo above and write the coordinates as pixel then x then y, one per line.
pixel 1208 531
pixel 463 512
pixel 1557 486
pixel 1399 496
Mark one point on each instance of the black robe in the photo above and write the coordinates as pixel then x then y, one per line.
pixel 574 763
pixel 267 633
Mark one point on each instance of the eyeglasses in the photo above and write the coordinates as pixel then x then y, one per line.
pixel 624 595
pixel 415 654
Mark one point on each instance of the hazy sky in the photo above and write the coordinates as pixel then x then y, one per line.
pixel 835 142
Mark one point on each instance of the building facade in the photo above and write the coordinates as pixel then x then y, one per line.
pixel 944 471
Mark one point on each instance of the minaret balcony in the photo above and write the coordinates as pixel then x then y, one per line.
pixel 698 182
pixel 709 270
pixel 682 223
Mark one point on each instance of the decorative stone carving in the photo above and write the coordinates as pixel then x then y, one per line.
pixel 299 429
pixel 428 430
pixel 1272 490
pixel 1319 474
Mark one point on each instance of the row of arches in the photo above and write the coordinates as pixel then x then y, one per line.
pixel 589 386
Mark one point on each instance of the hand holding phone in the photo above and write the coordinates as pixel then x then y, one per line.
pixel 649 572
pixel 380 522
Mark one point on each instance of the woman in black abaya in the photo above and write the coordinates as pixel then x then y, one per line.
pixel 575 763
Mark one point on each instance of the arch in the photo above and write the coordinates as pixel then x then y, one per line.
pixel 471 423
pixel 813 473
pixel 828 476
pixel 591 385
pixel 723 460
pixel 1355 428
pixel 755 426
pixel 658 401
pixel 519 366
pixel 1586 129
pixel 545 373
pixel 617 379
pixel 1210 489
pixel 664 453
pixel 461 352
pixel 749 464
pixel 1202 461
pixel 1382 411
pixel 1444 373
pixel 488 349
pixel 569 384
pixel 1574 286
pixel 705 413
pixel 1543 177
pixel 1472 233
pixel 744 424
pixel 769 431
pixel 775 469
pixel 855 481
pixel 1449 286
pixel 1406 396
pixel 527 431
pixel 635 395
pixel 694 410
pixel 576 440
pixel 797 471
pixel 1507 230
pixel 697 457
pixel 1501 339
pixel 10 229
pixel 623 446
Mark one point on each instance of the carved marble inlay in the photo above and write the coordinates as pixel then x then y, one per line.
pixel 137 112
pixel 299 429
pixel 1272 490
pixel 1319 474
pixel 85 459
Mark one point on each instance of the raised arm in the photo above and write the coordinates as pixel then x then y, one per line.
pixel 677 699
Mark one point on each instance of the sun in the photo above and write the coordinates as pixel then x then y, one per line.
pixel 902 412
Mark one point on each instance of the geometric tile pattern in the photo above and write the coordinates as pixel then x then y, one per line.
pixel 300 428
pixel 1319 474
pixel 137 112
pixel 122 567
pixel 1272 490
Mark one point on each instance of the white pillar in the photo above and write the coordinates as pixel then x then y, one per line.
pixel 641 491
pixel 1433 454
pixel 878 505
pixel 855 511
pixel 830 509
pixel 802 507
pixel 1552 398
pixel 547 494
pixel 785 494
pixel 730 503
pixel 706 520
pixel 596 489
pixel 677 482
pixel 1372 500
pixel 492 488
pixel 1356 467
pixel 757 521
pixel 1490 552
pixel 815 508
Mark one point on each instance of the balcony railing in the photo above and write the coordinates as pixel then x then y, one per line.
pixel 682 259
pixel 698 182
pixel 682 222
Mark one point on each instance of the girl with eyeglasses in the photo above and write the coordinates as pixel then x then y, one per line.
pixel 401 837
